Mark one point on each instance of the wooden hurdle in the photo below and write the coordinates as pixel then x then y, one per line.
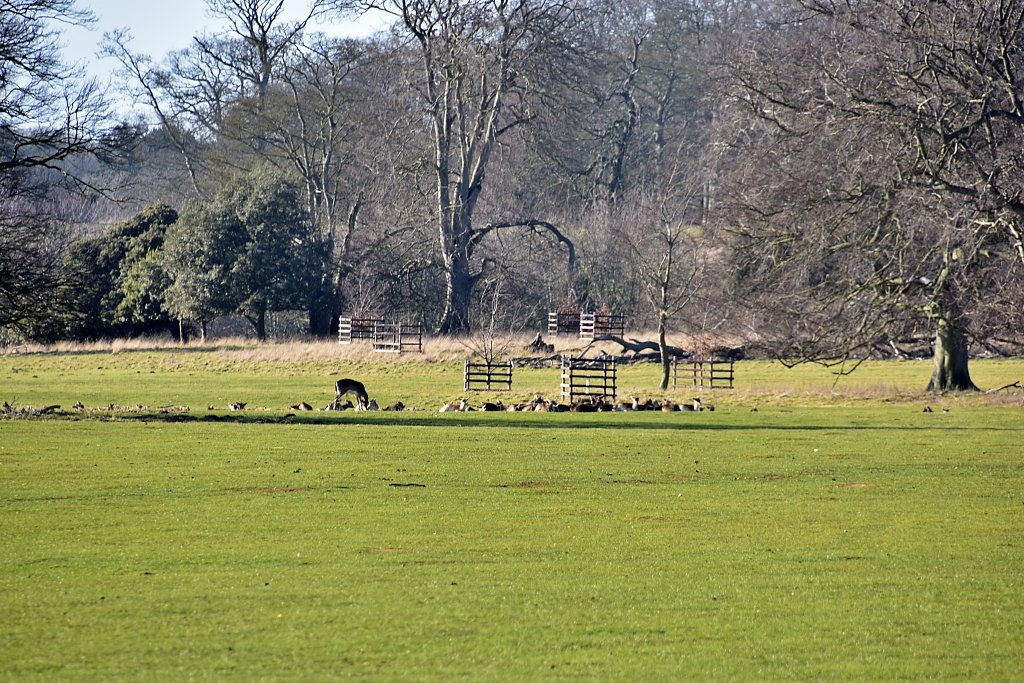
pixel 563 322
pixel 705 374
pixel 397 337
pixel 588 378
pixel 486 376
pixel 356 328
pixel 594 324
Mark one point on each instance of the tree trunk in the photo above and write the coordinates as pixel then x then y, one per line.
pixel 458 294
pixel 258 320
pixel 322 321
pixel 950 372
pixel 666 361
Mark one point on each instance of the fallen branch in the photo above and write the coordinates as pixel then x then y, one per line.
pixel 636 346
pixel 1011 385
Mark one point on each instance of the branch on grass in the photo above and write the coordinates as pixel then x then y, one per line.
pixel 1011 385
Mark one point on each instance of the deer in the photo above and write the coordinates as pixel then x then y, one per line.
pixel 351 386
pixel 694 407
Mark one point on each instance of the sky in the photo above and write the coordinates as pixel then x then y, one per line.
pixel 159 26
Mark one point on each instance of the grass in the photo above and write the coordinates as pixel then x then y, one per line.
pixel 836 532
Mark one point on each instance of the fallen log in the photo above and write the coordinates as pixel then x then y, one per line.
pixel 635 346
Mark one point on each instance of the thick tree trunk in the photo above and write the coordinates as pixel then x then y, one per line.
pixel 950 372
pixel 322 321
pixel 258 320
pixel 323 308
pixel 458 295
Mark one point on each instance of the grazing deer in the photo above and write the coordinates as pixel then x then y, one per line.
pixel 351 386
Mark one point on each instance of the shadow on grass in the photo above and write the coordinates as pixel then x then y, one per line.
pixel 646 421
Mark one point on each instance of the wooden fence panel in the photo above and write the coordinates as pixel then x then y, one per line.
pixel 596 324
pixel 609 323
pixel 587 324
pixel 481 376
pixel 563 323
pixel 705 374
pixel 352 329
pixel 397 337
pixel 588 378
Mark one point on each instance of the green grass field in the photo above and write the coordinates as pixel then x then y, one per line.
pixel 837 532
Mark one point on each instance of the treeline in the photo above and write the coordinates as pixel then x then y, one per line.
pixel 827 177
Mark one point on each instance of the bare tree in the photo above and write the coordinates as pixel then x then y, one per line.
pixel 876 171
pixel 491 335
pixel 145 80
pixel 257 24
pixel 50 115
pixel 49 111
pixel 312 133
pixel 479 61
pixel 217 88
pixel 669 251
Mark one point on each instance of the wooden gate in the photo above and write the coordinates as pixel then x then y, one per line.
pixel 588 378
pixel 397 337
pixel 705 374
pixel 481 376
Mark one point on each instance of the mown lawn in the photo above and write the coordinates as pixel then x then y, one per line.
pixel 832 533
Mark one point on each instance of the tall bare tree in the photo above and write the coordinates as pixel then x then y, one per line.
pixel 479 62
pixel 877 171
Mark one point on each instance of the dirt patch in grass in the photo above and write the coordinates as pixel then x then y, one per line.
pixel 531 485
pixel 269 490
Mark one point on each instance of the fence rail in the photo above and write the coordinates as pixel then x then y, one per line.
pixel 588 378
pixel 481 376
pixel 705 374
pixel 397 337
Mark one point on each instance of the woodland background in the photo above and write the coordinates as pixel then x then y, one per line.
pixel 826 179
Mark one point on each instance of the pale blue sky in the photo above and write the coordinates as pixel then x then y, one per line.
pixel 159 27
